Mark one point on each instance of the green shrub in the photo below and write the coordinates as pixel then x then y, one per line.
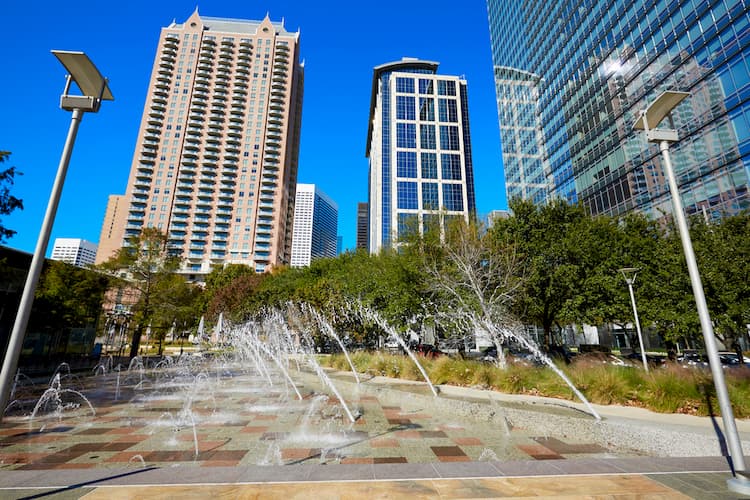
pixel 669 389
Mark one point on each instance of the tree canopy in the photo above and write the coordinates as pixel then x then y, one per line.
pixel 8 202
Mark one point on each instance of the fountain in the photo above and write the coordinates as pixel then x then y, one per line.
pixel 267 384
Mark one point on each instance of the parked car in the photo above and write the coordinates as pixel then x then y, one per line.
pixel 729 358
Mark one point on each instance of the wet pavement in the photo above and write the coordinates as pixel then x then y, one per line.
pixel 165 434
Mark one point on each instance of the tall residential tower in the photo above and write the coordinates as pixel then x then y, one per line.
pixel 419 151
pixel 572 76
pixel 215 165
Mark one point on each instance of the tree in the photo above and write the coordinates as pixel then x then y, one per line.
pixel 545 238
pixel 68 295
pixel 723 255
pixel 175 305
pixel 8 202
pixel 476 279
pixel 147 266
pixel 217 281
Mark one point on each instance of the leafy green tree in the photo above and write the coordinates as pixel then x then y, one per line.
pixel 545 238
pixel 723 255
pixel 176 305
pixel 147 266
pixel 68 295
pixel 8 202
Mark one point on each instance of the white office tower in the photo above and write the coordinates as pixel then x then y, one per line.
pixel 315 226
pixel 74 251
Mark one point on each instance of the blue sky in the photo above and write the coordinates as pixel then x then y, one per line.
pixel 341 42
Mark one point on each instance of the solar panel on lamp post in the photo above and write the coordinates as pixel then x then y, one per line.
pixel 94 90
pixel 649 119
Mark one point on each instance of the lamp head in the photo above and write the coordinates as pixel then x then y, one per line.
pixel 88 79
pixel 652 116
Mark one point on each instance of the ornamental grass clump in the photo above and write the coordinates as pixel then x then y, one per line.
pixel 677 389
pixel 453 371
pixel 602 384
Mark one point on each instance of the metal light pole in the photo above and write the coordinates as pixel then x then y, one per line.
pixel 629 273
pixel 651 117
pixel 95 90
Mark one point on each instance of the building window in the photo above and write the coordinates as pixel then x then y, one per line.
pixel 406 164
pixel 429 166
pixel 447 110
pixel 453 197
pixel 427 137
pixel 408 225
pixel 449 137
pixel 406 135
pixel 446 87
pixel 425 86
pixel 405 85
pixel 430 200
pixel 450 166
pixel 405 108
pixel 426 109
pixel 407 195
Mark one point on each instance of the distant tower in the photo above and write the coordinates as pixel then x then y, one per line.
pixel 362 225
pixel 419 148
pixel 215 165
pixel 74 251
pixel 110 239
pixel 315 226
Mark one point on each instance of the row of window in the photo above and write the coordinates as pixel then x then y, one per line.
pixel 407 196
pixel 406 136
pixel 450 165
pixel 405 85
pixel 406 109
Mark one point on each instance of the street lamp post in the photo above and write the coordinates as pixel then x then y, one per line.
pixel 95 90
pixel 650 118
pixel 629 273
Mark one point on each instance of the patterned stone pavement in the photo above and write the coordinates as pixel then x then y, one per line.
pixel 235 420
pixel 226 432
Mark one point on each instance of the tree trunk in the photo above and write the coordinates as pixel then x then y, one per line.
pixel 738 349
pixel 135 342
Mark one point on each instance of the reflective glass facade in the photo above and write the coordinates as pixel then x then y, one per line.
pixel 419 149
pixel 580 72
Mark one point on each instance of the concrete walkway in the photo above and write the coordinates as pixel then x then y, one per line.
pixel 702 478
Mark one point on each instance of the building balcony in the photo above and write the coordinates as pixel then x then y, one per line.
pixel 171 41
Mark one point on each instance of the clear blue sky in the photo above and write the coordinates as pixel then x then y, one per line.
pixel 341 42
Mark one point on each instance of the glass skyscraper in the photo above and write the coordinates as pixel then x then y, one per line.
pixel 572 77
pixel 315 230
pixel 419 150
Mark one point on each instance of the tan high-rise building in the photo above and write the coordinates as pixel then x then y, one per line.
pixel 215 165
pixel 110 239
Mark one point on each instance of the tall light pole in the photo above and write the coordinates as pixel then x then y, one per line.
pixel 94 88
pixel 629 273
pixel 650 118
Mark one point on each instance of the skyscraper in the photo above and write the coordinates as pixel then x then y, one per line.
pixel 419 151
pixel 115 218
pixel 74 251
pixel 315 226
pixel 215 165
pixel 362 225
pixel 572 78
